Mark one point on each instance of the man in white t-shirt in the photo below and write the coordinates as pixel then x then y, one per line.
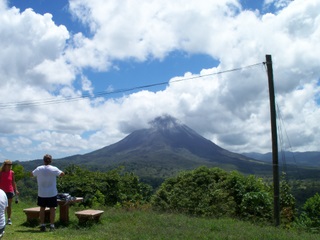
pixel 47 189
pixel 3 206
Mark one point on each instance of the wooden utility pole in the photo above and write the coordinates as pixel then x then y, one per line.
pixel 276 187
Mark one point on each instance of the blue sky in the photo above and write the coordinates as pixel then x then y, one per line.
pixel 61 50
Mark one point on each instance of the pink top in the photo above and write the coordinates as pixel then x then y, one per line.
pixel 6 181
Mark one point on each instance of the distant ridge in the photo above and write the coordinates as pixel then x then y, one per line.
pixel 306 159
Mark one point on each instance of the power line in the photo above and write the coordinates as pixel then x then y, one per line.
pixel 290 151
pixel 41 102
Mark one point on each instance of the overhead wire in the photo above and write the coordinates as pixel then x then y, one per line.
pixel 281 141
pixel 41 102
pixel 283 152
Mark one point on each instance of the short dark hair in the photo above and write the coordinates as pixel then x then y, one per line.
pixel 47 158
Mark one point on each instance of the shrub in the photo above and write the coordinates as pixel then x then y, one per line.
pixel 214 192
pixel 309 218
pixel 197 192
pixel 252 196
pixel 256 206
pixel 287 202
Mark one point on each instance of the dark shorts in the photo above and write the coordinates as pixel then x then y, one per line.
pixel 9 195
pixel 47 202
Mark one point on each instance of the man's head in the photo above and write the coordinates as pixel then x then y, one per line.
pixel 47 159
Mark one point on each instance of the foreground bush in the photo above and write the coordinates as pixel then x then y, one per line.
pixel 198 192
pixel 252 196
pixel 215 192
pixel 309 218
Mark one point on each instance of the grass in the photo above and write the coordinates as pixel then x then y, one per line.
pixel 146 224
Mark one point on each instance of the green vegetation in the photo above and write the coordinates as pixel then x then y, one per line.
pixel 104 188
pixel 139 224
pixel 215 192
pixel 206 195
pixel 310 216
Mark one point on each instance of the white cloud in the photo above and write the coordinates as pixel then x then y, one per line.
pixel 28 39
pixel 279 4
pixel 42 62
pixel 152 29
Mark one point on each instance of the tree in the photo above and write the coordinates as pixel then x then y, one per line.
pixel 18 171
pixel 215 192
pixel 105 188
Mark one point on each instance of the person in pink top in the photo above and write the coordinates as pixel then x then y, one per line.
pixel 8 185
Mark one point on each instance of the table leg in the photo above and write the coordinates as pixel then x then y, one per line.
pixel 64 213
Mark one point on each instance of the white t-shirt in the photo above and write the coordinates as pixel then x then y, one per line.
pixel 3 205
pixel 47 180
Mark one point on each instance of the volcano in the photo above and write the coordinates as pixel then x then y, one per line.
pixel 162 150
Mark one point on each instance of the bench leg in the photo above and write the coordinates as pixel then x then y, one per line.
pixel 85 219
pixel 33 217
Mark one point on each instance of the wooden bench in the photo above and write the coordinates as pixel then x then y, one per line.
pixel 89 214
pixel 33 214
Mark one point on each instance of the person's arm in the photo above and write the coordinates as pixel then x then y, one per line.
pixel 34 173
pixel 15 188
pixel 61 174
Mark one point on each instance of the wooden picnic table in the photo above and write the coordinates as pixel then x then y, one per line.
pixel 64 208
